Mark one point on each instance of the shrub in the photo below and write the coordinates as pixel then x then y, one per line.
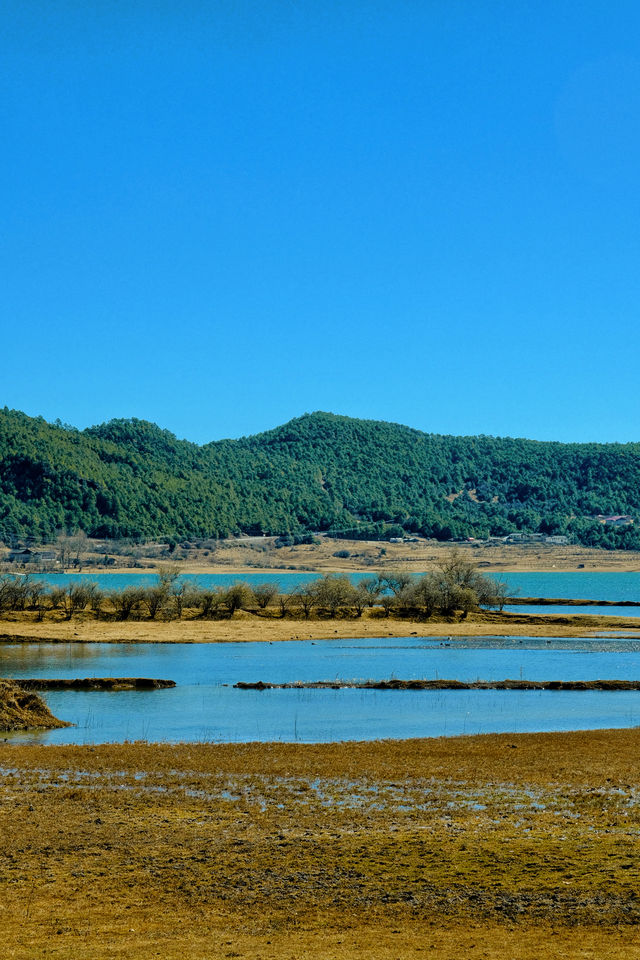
pixel 265 593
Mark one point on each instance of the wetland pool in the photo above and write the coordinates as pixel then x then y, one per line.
pixel 204 706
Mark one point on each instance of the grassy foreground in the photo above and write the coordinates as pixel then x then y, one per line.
pixel 496 846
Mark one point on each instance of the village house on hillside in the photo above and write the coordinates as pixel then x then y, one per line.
pixel 616 520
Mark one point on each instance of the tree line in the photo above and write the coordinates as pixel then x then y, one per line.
pixel 453 587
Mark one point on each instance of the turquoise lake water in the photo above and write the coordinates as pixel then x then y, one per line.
pixel 581 585
pixel 205 707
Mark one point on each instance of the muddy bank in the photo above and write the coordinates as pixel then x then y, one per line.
pixel 96 683
pixel 445 685
pixel 22 709
pixel 503 846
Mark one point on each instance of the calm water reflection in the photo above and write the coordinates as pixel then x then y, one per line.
pixel 204 705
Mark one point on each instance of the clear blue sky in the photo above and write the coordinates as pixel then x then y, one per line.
pixel 220 215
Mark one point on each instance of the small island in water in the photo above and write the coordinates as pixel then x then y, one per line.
pixel 22 709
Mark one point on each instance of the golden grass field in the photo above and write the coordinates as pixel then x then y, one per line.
pixel 271 628
pixel 516 846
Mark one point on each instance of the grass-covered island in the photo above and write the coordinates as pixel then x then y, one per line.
pixel 453 599
pixel 22 709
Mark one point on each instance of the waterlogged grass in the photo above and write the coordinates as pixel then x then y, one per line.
pixel 503 846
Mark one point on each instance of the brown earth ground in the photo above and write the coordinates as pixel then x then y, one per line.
pixel 22 627
pixel 502 847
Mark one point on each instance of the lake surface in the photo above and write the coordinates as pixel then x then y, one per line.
pixel 286 579
pixel 205 707
pixel 559 609
pixel 579 585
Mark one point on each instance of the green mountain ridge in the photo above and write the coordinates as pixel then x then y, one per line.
pixel 320 471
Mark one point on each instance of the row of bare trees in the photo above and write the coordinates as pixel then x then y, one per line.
pixel 454 586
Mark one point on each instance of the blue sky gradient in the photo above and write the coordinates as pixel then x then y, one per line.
pixel 218 216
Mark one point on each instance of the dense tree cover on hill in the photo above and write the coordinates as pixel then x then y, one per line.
pixel 129 478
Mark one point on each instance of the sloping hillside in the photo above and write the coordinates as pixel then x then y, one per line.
pixel 129 478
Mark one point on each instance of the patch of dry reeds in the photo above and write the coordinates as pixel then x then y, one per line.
pixel 22 709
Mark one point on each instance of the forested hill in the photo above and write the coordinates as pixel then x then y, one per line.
pixel 129 478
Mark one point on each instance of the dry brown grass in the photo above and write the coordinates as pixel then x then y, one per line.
pixel 270 629
pixel 22 709
pixel 425 555
pixel 257 554
pixel 498 846
pixel 253 556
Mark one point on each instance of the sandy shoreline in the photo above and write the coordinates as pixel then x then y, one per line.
pixel 624 564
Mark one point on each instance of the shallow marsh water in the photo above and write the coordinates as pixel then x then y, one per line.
pixel 205 707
